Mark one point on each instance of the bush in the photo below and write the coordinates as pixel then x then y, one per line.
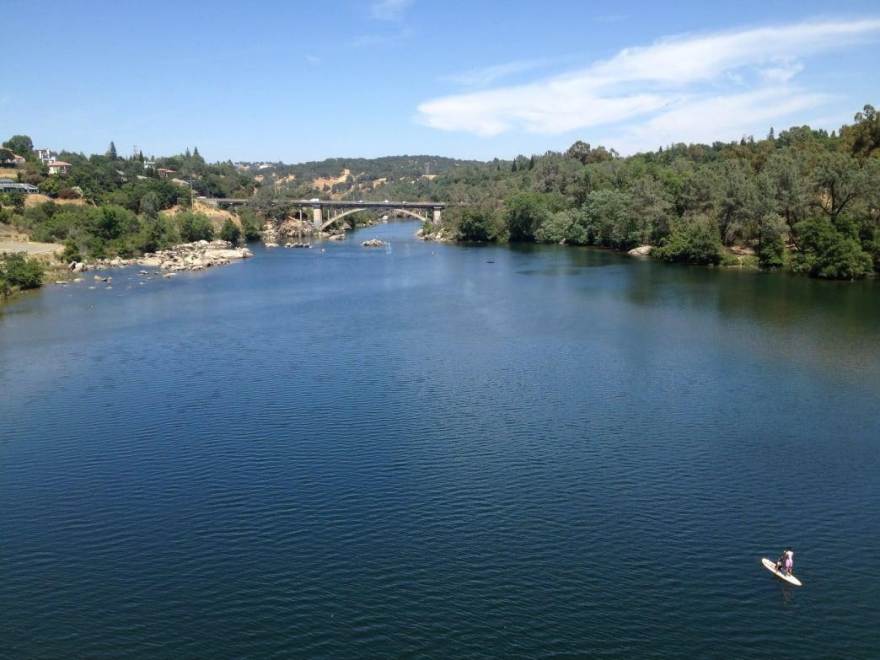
pixel 828 253
pixel 558 228
pixel 250 224
pixel 230 231
pixel 771 243
pixel 20 272
pixel 476 225
pixel 194 227
pixel 693 240
pixel 525 213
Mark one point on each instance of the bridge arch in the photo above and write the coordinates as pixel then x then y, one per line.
pixel 336 218
pixel 339 216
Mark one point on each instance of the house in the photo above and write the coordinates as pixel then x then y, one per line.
pixel 149 164
pixel 58 167
pixel 165 173
pixel 10 186
pixel 46 156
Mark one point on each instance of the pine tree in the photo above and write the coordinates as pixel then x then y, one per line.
pixel 111 151
pixel 188 154
pixel 196 153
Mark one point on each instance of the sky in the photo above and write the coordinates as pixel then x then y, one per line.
pixel 298 81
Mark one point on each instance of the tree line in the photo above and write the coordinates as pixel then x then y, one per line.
pixel 804 200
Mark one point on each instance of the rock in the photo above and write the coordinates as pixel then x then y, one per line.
pixel 373 243
pixel 336 237
pixel 641 251
pixel 116 262
pixel 77 280
pixel 167 275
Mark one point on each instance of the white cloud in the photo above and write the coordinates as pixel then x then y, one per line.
pixel 671 86
pixel 382 39
pixel 487 75
pixel 724 117
pixel 389 10
pixel 314 60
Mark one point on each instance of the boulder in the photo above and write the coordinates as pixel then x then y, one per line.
pixel 373 243
pixel 641 251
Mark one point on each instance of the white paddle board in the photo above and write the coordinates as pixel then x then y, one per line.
pixel 771 566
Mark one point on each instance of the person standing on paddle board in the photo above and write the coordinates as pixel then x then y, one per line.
pixel 786 562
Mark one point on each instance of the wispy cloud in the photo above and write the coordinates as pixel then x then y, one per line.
pixel 389 10
pixel 382 39
pixel 314 60
pixel 670 87
pixel 489 74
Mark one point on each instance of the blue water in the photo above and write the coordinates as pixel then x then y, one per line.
pixel 440 451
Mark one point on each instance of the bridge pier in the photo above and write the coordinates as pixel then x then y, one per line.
pixel 436 218
pixel 317 217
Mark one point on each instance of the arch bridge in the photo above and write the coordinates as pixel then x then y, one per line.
pixel 327 212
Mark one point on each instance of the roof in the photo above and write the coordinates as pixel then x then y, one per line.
pixel 56 163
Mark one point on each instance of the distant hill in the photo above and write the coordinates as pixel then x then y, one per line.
pixel 355 177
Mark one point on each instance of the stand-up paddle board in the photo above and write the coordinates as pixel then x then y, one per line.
pixel 771 566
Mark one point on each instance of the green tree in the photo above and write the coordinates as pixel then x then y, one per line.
pixel 771 241
pixel 111 151
pixel 477 224
pixel 21 145
pixel 694 240
pixel 20 272
pixel 194 227
pixel 230 231
pixel 828 253
pixel 525 212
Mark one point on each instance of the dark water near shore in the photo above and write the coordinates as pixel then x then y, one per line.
pixel 440 451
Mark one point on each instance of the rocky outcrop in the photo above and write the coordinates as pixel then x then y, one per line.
pixel 641 251
pixel 439 235
pixel 184 257
pixel 373 243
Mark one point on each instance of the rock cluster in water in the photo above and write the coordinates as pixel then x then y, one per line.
pixel 184 257
pixel 373 243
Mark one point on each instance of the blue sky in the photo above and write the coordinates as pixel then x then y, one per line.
pixel 298 81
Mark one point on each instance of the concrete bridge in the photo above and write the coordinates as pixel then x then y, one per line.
pixel 327 212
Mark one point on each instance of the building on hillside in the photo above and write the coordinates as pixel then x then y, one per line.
pixel 59 167
pixel 180 182
pixel 149 164
pixel 165 173
pixel 10 186
pixel 46 156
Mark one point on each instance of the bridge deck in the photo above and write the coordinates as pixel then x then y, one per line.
pixel 334 203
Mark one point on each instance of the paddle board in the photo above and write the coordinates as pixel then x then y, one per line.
pixel 771 566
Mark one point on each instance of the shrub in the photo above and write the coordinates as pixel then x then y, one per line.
pixel 230 231
pixel 20 271
pixel 525 213
pixel 194 227
pixel 694 240
pixel 476 225
pixel 828 253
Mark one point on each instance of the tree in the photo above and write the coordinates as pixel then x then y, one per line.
pixel 21 145
pixel 694 240
pixel 230 231
pixel 475 224
pixel 150 204
pixel 771 241
pixel 111 151
pixel 828 253
pixel 21 272
pixel 194 227
pixel 525 212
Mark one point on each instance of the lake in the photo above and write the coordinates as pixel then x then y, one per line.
pixel 440 451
